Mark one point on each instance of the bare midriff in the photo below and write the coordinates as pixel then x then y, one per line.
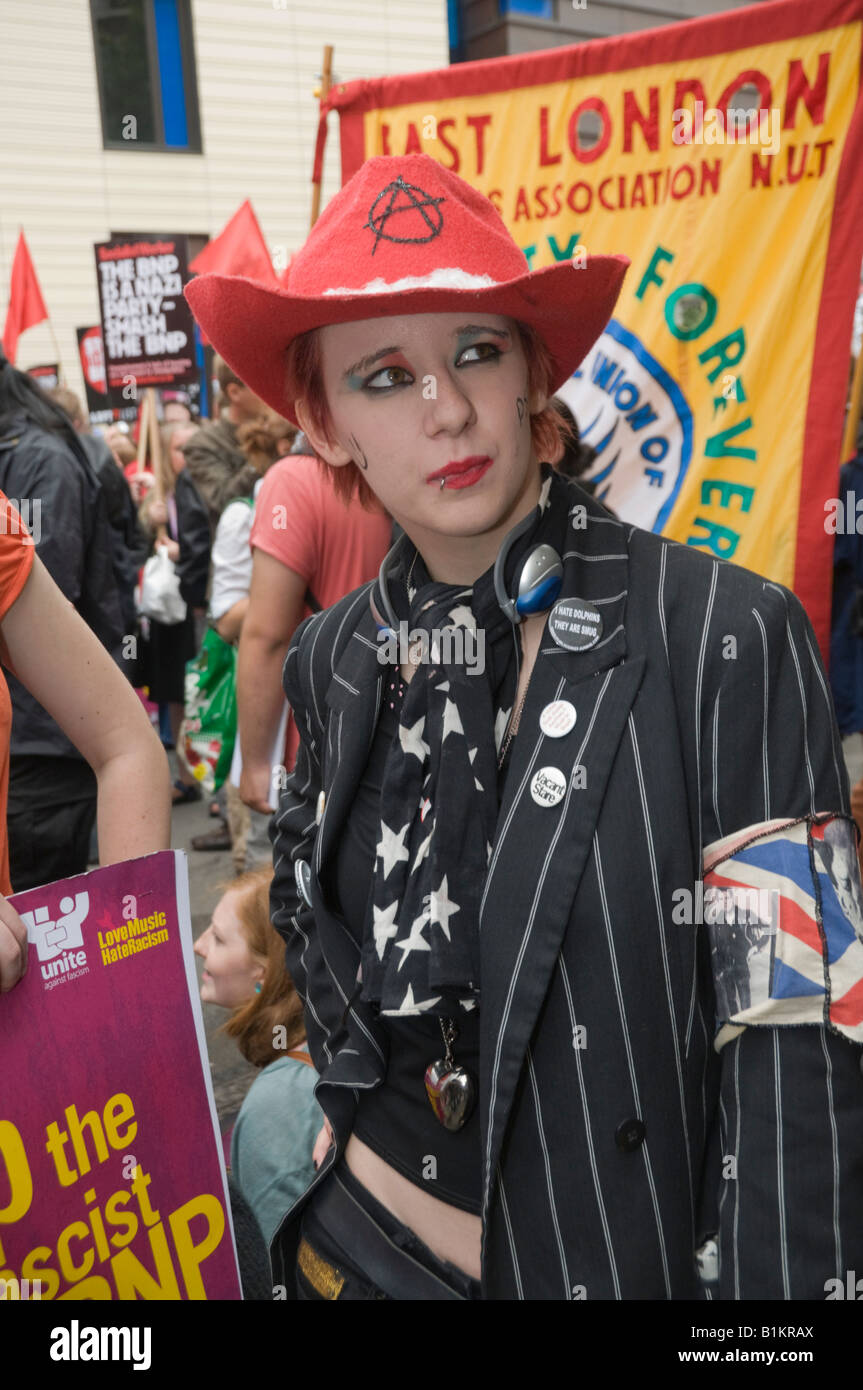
pixel 450 1233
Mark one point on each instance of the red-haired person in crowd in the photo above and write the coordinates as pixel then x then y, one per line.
pixel 244 971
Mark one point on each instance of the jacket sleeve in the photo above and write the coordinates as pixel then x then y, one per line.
pixel 791 1110
pixel 43 471
pixel 118 502
pixel 293 831
pixel 213 478
pixel 193 526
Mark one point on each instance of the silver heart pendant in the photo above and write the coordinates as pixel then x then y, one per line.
pixel 452 1093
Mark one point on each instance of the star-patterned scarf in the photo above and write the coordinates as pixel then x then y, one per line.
pixel 439 797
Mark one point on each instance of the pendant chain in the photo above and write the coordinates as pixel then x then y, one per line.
pixel 510 735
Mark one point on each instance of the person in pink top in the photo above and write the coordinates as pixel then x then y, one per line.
pixel 310 548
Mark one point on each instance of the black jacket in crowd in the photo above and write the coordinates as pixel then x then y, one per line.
pixel 195 540
pixel 129 544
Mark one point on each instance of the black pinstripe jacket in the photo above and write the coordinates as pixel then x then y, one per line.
pixel 607 1118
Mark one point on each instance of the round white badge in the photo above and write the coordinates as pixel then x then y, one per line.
pixel 548 786
pixel 557 718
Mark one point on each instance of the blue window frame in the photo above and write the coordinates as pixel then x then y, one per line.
pixel 145 65
pixel 540 8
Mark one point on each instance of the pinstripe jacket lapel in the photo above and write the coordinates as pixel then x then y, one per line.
pixel 354 697
pixel 353 701
pixel 539 851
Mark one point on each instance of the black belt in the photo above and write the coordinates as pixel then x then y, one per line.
pixel 393 1270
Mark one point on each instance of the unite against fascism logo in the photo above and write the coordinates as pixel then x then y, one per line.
pixel 59 940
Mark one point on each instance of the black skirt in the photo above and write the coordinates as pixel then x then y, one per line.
pixel 164 654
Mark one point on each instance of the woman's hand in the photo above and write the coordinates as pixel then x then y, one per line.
pixel 140 483
pixel 173 549
pixel 13 947
pixel 255 781
pixel 323 1143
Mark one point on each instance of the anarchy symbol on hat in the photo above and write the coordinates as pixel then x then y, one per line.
pixel 434 265
pixel 432 219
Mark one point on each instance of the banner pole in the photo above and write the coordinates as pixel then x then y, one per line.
pixel 155 445
pixel 323 92
pixel 156 460
pixel 143 431
pixel 61 374
pixel 852 420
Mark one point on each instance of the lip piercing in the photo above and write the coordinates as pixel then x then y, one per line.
pixel 442 483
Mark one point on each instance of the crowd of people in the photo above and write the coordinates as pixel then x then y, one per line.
pixel 257 539
pixel 303 523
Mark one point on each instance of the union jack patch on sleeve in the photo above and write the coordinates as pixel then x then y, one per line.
pixel 784 913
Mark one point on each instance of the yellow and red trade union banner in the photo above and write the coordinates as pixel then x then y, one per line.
pixel 715 398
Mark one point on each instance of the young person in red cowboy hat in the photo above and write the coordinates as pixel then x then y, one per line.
pixel 518 745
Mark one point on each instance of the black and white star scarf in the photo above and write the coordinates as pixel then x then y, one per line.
pixel 439 796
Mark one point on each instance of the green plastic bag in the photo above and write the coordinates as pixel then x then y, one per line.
pixel 209 728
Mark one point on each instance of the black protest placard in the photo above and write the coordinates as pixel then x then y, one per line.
pixel 147 326
pixel 92 357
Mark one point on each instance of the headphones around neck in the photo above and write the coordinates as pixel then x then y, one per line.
pixel 538 585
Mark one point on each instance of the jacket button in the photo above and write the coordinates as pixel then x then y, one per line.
pixel 629 1135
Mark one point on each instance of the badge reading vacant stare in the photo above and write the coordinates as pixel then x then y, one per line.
pixel 548 786
pixel 575 623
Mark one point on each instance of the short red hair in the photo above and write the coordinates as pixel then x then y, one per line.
pixel 549 430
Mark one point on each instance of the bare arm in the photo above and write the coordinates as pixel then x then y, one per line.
pixel 55 655
pixel 276 602
pixel 230 624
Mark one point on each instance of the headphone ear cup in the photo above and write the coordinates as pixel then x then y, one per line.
pixel 539 582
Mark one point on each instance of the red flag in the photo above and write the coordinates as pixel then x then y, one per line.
pixel 26 305
pixel 239 249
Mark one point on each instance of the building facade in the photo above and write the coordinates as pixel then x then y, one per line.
pixel 493 28
pixel 164 116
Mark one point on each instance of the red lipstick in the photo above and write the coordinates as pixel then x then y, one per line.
pixel 462 472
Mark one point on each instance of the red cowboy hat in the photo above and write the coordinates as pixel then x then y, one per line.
pixel 404 235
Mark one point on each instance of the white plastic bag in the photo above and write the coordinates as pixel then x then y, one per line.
pixel 160 596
